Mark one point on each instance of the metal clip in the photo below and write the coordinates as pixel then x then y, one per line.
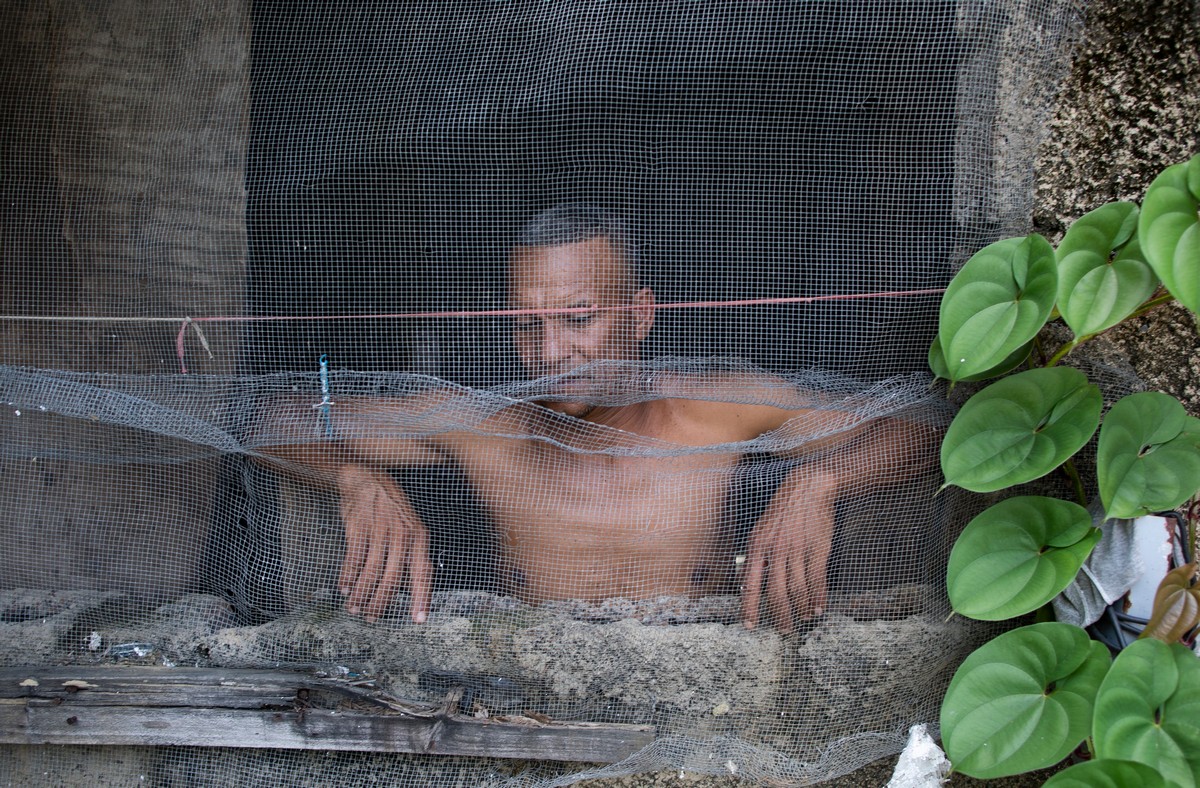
pixel 325 402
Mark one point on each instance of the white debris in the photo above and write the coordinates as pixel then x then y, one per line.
pixel 922 764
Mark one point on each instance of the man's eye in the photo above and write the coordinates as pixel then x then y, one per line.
pixel 580 319
pixel 526 326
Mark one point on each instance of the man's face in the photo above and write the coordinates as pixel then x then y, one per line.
pixel 590 273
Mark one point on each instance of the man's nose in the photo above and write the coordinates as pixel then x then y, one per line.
pixel 556 349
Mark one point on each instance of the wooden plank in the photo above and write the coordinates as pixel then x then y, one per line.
pixel 200 687
pixel 151 678
pixel 318 729
pixel 269 709
pixel 155 686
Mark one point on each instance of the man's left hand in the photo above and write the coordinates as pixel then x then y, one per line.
pixel 789 550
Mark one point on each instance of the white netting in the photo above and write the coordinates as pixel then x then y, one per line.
pixel 578 345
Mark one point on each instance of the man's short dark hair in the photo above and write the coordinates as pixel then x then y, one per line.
pixel 570 223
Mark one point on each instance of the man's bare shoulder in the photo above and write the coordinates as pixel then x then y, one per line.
pixel 423 422
pixel 727 407
pixel 434 406
pixel 736 387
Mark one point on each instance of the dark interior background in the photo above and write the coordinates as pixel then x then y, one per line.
pixel 763 149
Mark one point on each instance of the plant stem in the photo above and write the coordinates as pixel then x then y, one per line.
pixel 1073 472
pixel 1067 348
pixel 1149 306
pixel 1152 304
pixel 1037 346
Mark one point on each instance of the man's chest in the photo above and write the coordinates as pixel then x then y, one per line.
pixel 539 485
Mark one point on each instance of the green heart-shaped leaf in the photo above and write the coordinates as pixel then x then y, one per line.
pixel 1022 701
pixel 1169 228
pixel 1020 428
pixel 937 362
pixel 1148 710
pixel 1107 773
pixel 1018 555
pixel 995 304
pixel 1094 293
pixel 1148 458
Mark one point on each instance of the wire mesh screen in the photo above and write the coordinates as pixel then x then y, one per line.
pixel 541 382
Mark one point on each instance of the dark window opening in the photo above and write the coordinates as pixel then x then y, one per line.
pixel 764 150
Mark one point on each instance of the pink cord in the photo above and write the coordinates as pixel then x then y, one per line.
pixel 179 344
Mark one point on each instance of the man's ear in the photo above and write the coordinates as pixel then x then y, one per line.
pixel 644 313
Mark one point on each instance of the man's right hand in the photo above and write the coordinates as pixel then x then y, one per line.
pixel 386 544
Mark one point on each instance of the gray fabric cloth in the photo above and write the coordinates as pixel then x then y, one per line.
pixel 1110 571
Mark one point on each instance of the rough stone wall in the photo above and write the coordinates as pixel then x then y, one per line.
pixel 124 129
pixel 1130 108
pixel 125 126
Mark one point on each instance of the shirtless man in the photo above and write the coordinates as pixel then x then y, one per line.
pixel 583 507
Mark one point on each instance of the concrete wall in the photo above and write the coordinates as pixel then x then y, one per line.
pixel 124 126
pixel 1129 108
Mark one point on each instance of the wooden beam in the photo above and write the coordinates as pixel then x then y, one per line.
pixel 271 709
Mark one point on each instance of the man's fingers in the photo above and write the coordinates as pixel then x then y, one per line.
pixel 817 587
pixel 378 548
pixel 816 569
pixel 353 519
pixel 420 573
pixel 356 546
pixel 389 581
pixel 778 600
pixel 385 544
pixel 803 602
pixel 752 587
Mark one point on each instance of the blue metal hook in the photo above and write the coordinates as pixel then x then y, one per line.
pixel 325 400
